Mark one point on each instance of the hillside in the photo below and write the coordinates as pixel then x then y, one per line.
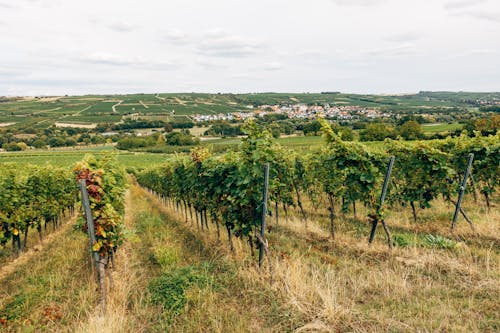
pixel 43 112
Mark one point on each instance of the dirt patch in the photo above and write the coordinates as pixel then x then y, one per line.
pixel 25 136
pixel 75 125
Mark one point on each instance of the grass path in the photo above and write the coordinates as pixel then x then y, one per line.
pixel 37 250
pixel 48 290
pixel 170 278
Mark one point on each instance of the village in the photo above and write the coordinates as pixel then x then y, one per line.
pixel 297 111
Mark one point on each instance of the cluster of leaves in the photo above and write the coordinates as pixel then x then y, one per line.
pixel 486 166
pixel 106 185
pixel 439 242
pixel 344 170
pixel 229 187
pixel 31 197
pixel 421 173
pixel 170 289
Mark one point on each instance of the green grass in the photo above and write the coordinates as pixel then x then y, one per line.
pixel 100 108
pixel 35 297
pixel 440 127
pixel 67 158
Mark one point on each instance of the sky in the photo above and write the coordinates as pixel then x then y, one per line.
pixel 56 47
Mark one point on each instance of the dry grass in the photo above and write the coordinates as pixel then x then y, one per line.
pixel 127 307
pixel 34 248
pixel 235 299
pixel 50 290
pixel 239 299
pixel 318 285
pixel 347 285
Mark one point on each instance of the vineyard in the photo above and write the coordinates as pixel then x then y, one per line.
pixel 151 257
pixel 228 188
pixel 33 198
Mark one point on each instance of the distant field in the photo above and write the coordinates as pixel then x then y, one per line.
pixel 68 158
pixel 298 143
pixel 436 128
pixel 43 112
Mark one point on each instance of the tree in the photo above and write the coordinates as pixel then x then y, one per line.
pixel 96 139
pixel 275 130
pixel 22 145
pixel 12 146
pixel 312 128
pixel 39 144
pixel 345 132
pixel 181 139
pixel 410 130
pixel 377 132
pixel 272 117
pixel 56 142
pixel 168 128
pixel 70 142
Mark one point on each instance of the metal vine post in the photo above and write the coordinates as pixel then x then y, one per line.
pixel 264 213
pixel 99 265
pixel 375 219
pixel 461 193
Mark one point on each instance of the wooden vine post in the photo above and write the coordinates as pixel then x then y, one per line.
pixel 262 239
pixel 461 193
pixel 378 216
pixel 99 265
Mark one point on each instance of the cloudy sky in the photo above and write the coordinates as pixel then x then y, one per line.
pixel 369 46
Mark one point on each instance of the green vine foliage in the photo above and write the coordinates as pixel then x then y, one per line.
pixel 229 186
pixel 486 166
pixel 31 197
pixel 106 185
pixel 421 173
pixel 346 169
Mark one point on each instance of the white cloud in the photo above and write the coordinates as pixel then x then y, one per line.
pixel 221 44
pixel 6 5
pixel 478 9
pixel 121 27
pixel 484 15
pixel 460 4
pixel 112 59
pixel 104 58
pixel 357 2
pixel 391 51
pixel 209 65
pixel 8 73
pixel 346 45
pixel 176 36
pixel 273 66
pixel 403 37
pixel 245 76
pixel 476 53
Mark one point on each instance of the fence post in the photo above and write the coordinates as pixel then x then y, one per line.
pixel 99 266
pixel 387 177
pixel 461 191
pixel 88 218
pixel 264 213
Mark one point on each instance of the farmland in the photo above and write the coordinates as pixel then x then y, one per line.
pixel 64 158
pixel 176 271
pixel 43 112
pixel 178 228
